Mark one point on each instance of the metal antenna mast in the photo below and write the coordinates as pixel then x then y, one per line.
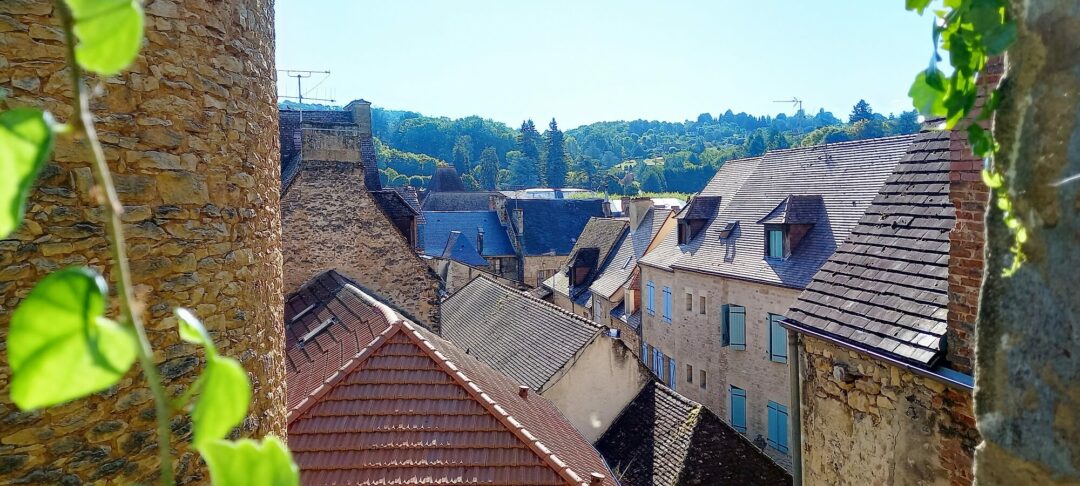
pixel 794 102
pixel 300 75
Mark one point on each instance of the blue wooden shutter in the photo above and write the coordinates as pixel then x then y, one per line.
pixel 776 244
pixel 778 427
pixel 671 373
pixel 738 327
pixel 649 291
pixel 777 339
pixel 738 408
pixel 667 304
pixel 725 326
pixel 645 352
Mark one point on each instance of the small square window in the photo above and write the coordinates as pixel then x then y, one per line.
pixel 702 379
pixel 689 302
pixel 689 374
pixel 701 305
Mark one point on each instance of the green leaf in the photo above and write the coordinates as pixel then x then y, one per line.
pixel 998 39
pixel 60 347
pixel 246 462
pixel 925 96
pixel 110 33
pixel 193 331
pixel 917 5
pixel 993 180
pixel 25 143
pixel 223 400
pixel 981 140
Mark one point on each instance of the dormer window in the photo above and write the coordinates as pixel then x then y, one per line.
pixel 695 216
pixel 774 243
pixel 787 224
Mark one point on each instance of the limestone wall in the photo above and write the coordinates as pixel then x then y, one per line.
pixel 331 221
pixel 190 132
pixel 534 264
pixel 868 422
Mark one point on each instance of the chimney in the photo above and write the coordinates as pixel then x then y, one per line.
pixel 523 391
pixel 491 202
pixel 969 197
pixel 607 208
pixel 480 240
pixel 638 207
pixel 361 110
pixel 624 205
pixel 519 220
pixel 596 479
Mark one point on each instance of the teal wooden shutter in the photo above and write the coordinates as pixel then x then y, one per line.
pixel 645 353
pixel 738 327
pixel 738 408
pixel 671 373
pixel 778 427
pixel 776 244
pixel 777 339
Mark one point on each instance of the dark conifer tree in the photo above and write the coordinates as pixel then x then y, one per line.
pixel 861 111
pixel 489 169
pixel 555 156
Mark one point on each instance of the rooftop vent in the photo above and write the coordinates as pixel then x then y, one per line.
pixel 596 478
pixel 523 391
pixel 318 329
pixel 302 313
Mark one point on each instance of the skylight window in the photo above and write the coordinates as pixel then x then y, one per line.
pixel 315 332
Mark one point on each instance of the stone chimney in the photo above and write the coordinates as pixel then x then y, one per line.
pixel 480 240
pixel 624 205
pixel 200 187
pixel 361 110
pixel 607 208
pixel 639 206
pixel 967 241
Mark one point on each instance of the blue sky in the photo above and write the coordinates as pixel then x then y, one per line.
pixel 582 61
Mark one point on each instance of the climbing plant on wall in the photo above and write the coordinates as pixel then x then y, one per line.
pixel 61 344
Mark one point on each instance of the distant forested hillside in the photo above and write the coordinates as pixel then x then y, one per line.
pixel 619 156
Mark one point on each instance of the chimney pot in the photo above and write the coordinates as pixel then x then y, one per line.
pixel 523 391
pixel 596 478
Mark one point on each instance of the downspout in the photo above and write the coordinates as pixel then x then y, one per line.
pixel 795 380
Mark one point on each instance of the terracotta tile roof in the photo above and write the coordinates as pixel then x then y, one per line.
pixel 408 407
pixel 662 437
pixel 526 338
pixel 886 288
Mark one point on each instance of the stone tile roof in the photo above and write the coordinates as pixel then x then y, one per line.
pixel 526 338
pixel 436 230
pixel 598 240
pixel 551 226
pixel 407 407
pixel 700 207
pixel 796 210
pixel 886 288
pixel 846 176
pixel 459 201
pixel 662 437
pixel 728 179
pixel 616 273
pixel 412 198
pixel 445 179
pixel 462 250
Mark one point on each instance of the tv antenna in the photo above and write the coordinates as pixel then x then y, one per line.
pixel 794 102
pixel 300 75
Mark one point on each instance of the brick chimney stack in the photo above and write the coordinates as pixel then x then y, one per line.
pixel 967 239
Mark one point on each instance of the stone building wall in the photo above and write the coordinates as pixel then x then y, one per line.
pixel 868 422
pixel 331 221
pixel 190 132
pixel 694 338
pixel 534 264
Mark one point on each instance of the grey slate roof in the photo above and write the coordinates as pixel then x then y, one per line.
pixel 728 179
pixel 886 287
pixel 459 201
pixel 662 437
pixel 796 210
pixel 700 207
pixel 602 234
pixel 846 176
pixel 524 337
pixel 551 226
pixel 445 179
pixel 438 225
pixel 621 265
pixel 462 250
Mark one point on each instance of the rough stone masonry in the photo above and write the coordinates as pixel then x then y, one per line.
pixel 190 133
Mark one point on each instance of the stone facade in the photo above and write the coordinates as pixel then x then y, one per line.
pixel 331 221
pixel 694 338
pixel 189 132
pixel 534 265
pixel 868 422
pixel 456 275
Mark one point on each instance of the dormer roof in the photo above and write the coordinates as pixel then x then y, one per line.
pixel 796 210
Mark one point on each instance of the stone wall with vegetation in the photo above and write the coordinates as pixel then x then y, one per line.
pixel 190 132
pixel 868 422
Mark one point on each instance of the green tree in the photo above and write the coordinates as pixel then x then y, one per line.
pixel 776 140
pixel 555 156
pixel 651 182
pixel 907 122
pixel 755 144
pixel 522 169
pixel 489 169
pixel 463 154
pixel 861 111
pixel 871 128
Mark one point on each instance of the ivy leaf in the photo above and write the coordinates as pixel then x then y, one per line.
pixel 998 39
pixel 223 400
pixel 60 347
pixel 25 143
pixel 927 93
pixel 981 141
pixel 110 33
pixel 247 462
pixel 192 330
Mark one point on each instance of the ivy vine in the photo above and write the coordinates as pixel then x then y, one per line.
pixel 971 32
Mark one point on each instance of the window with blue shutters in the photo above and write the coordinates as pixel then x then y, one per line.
pixel 650 291
pixel 778 427
pixel 733 326
pixel 667 304
pixel 777 339
pixel 671 373
pixel 738 408
pixel 775 248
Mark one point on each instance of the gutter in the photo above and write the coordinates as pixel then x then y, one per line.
pixel 795 381
pixel 950 378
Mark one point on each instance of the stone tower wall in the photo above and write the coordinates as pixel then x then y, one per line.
pixel 190 131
